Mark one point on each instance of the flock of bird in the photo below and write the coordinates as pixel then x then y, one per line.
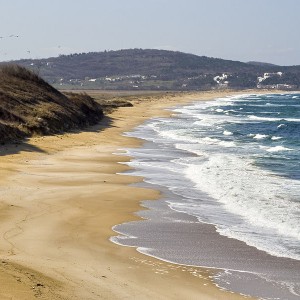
pixel 10 36
pixel 13 36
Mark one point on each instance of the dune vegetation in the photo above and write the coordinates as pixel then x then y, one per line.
pixel 30 106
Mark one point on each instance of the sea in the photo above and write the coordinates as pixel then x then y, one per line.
pixel 229 173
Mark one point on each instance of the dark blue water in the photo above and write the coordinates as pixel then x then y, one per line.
pixel 271 122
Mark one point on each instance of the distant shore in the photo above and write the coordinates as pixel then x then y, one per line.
pixel 60 197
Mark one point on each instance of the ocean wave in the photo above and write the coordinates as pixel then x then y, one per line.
pixel 203 123
pixel 256 118
pixel 260 136
pixel 231 111
pixel 281 125
pixel 252 117
pixel 226 132
pixel 276 138
pixel 254 195
pixel 227 143
pixel 278 149
pixel 247 202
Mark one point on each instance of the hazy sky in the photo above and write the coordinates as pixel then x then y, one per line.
pixel 260 30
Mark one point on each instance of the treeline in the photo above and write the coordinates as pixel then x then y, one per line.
pixel 159 69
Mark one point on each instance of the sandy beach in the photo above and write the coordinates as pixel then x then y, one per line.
pixel 61 195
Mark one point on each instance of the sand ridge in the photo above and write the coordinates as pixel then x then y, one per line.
pixel 59 198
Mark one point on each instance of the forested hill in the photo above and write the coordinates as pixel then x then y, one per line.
pixel 159 69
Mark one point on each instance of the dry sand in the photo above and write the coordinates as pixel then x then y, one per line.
pixel 60 197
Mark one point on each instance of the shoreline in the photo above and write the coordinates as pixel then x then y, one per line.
pixel 61 196
pixel 237 266
pixel 159 236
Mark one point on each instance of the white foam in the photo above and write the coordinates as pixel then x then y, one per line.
pixel 117 239
pixel 272 119
pixel 227 144
pixel 226 132
pixel 278 149
pixel 260 136
pixel 263 118
pixel 276 138
pixel 257 196
pixel 210 140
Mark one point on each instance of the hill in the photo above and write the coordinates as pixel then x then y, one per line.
pixel 158 70
pixel 262 64
pixel 30 106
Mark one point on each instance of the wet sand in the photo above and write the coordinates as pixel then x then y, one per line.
pixel 60 196
pixel 180 238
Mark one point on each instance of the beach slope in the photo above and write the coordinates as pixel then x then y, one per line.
pixel 61 195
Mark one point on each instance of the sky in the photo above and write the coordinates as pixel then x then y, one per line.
pixel 244 30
